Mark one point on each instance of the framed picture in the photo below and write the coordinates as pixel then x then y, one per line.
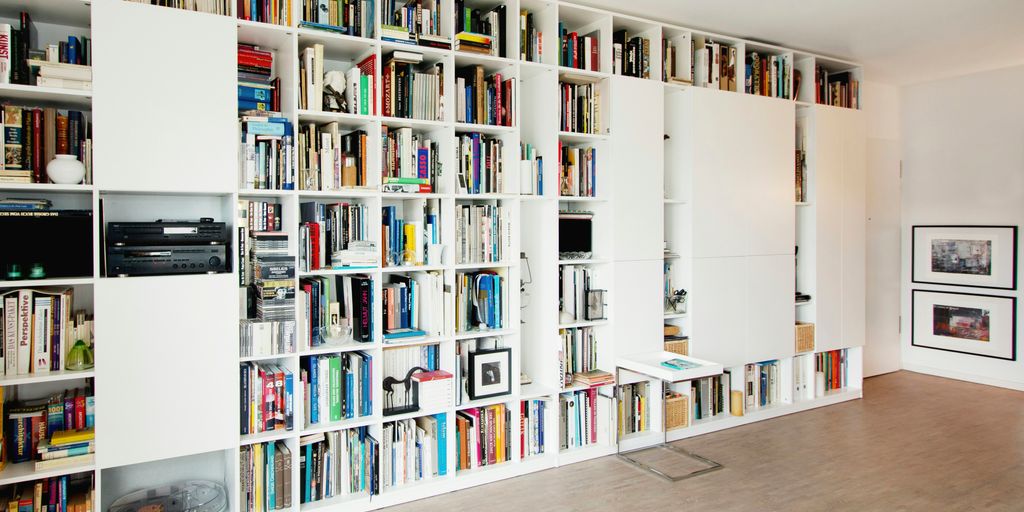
pixel 490 373
pixel 982 325
pixel 976 256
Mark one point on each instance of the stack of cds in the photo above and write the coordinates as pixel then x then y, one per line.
pixel 273 276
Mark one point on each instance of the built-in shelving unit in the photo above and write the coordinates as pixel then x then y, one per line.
pixel 651 207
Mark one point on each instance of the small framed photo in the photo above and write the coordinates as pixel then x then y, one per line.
pixel 490 373
pixel 982 325
pixel 975 256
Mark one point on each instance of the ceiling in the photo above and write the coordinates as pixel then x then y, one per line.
pixel 898 41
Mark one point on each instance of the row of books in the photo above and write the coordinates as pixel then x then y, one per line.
pixel 405 35
pixel 338 463
pixel 580 107
pixel 483 436
pixel 267 151
pixel 321 89
pixel 221 7
pixel 831 370
pixel 268 398
pixel 336 387
pixel 412 305
pixel 53 431
pixel 67 493
pixel 252 217
pixel 350 17
pixel 762 385
pixel 336 309
pixel 580 52
pixel 577 418
pixel 415 16
pixel 769 75
pixel 331 160
pixel 531 170
pixel 396 364
pixel 480 164
pixel 836 89
pixel 266 476
pixel 577 176
pixel 481 31
pixel 259 338
pixel 800 161
pixel 575 283
pixel 714 65
pixel 409 92
pixel 410 162
pixel 408 232
pixel 631 56
pixel 265 11
pixel 17 56
pixel 578 353
pixel 710 396
pixel 257 87
pixel 413 450
pixel 480 301
pixel 634 407
pixel 531 47
pixel 532 421
pixel 38 329
pixel 481 99
pixel 482 233
pixel 327 233
pixel 272 284
pixel 33 136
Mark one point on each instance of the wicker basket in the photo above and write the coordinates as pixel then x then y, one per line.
pixel 804 337
pixel 677 412
pixel 681 347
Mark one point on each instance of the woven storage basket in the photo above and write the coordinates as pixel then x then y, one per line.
pixel 804 337
pixel 677 412
pixel 681 347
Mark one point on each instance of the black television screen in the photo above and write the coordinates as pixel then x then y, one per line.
pixel 59 240
pixel 574 233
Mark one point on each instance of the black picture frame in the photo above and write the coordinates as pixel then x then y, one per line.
pixel 477 359
pixel 1013 323
pixel 913 254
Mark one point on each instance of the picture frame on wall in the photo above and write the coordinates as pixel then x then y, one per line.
pixel 966 323
pixel 974 256
pixel 490 373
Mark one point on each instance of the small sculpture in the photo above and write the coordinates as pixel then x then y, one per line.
pixel 334 92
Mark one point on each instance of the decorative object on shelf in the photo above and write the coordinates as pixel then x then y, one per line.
pixel 13 272
pixel 65 170
pixel 80 357
pixel 976 256
pixel 334 92
pixel 409 387
pixel 968 323
pixel 736 403
pixel 677 410
pixel 37 271
pixel 490 373
pixel 187 496
pixel 804 337
pixel 595 304
pixel 676 301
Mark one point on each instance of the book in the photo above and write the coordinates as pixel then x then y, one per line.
pixel 680 364
pixel 480 168
pixel 580 107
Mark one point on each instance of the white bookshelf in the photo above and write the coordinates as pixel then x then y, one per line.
pixel 147 109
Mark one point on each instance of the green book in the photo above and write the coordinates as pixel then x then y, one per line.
pixel 334 369
pixel 364 95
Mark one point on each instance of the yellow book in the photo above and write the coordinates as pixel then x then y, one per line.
pixel 63 437
pixel 410 244
pixel 258 475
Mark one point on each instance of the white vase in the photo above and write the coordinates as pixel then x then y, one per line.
pixel 65 170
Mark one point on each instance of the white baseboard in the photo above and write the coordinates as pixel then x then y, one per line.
pixel 969 377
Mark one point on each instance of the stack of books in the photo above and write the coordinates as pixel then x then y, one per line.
pixel 38 327
pixel 480 164
pixel 257 87
pixel 407 234
pixel 411 161
pixel 483 436
pixel 531 170
pixel 221 7
pixel 634 411
pixel 67 493
pixel 336 387
pixel 319 88
pixel 579 352
pixel 336 310
pixel 409 93
pixel 473 43
pixel 64 64
pixel 578 413
pixel 273 276
pixel 593 378
pixel 768 75
pixel 397 34
pixel 714 65
pixel 62 75
pixel 401 301
pixel 482 233
pixel 531 48
pixel 480 301
pixel 328 232
pixel 481 100
pixel 416 21
pixel 836 89
pixel 479 31
pixel 263 11
pixel 33 136
pixel 531 432
pixel 352 17
pixel 266 477
pixel 577 171
pixel 413 450
pixel 631 56
pixel 66 447
pixel 581 107
pixel 267 150
pixel 268 402
pixel 353 450
pixel 332 160
pixel 580 52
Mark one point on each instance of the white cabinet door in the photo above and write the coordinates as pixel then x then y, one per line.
pixel 637 307
pixel 770 313
pixel 637 174
pixel 826 168
pixel 854 228
pixel 719 310
pixel 167 372
pixel 768 175
pixel 165 99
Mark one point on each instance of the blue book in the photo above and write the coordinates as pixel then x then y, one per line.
pixel 254 93
pixel 403 333
pixel 442 444
pixel 324 26
pixel 72 49
pixel 314 391
pixel 264 128
pixel 271 483
pixel 289 401
pixel 350 386
pixel 367 399
pixel 253 105
pixel 306 488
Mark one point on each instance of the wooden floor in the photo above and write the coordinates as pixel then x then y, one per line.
pixel 915 442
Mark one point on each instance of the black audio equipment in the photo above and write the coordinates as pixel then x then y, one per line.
pixel 146 260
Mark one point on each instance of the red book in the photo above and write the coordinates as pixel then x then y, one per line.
pixel 595 63
pixel 386 100
pixel 498 93
pixel 269 402
pixel 368 67
pixel 509 98
pixel 279 421
pixel 314 242
pixel 574 41
pixel 37 146
pixel 79 409
pixel 592 397
pixel 522 430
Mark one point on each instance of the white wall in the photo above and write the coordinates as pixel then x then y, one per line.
pixel 882 348
pixel 963 163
